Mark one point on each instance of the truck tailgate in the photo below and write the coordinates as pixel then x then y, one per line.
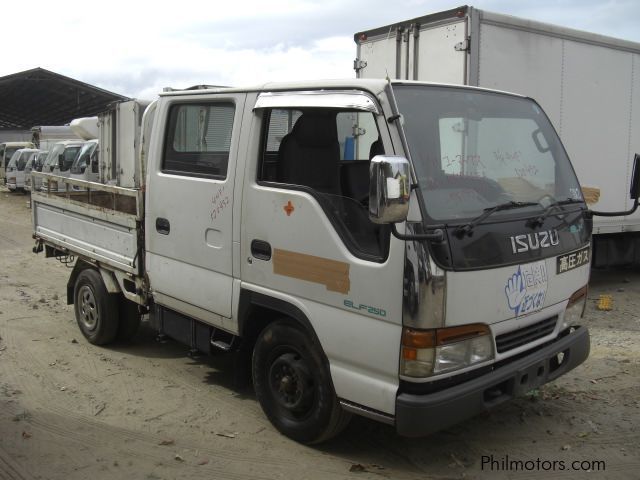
pixel 98 221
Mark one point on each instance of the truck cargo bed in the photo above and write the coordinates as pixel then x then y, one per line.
pixel 101 222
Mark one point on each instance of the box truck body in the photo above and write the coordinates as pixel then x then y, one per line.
pixel 588 84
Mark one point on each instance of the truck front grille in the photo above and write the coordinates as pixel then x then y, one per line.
pixel 509 341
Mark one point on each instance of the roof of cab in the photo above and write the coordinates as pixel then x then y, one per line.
pixel 373 85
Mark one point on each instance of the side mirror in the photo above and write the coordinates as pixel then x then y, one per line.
pixel 60 161
pixel 389 189
pixel 634 192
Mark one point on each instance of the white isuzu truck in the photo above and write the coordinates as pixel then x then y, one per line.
pixel 588 84
pixel 375 277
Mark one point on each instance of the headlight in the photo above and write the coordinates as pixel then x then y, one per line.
pixel 575 307
pixel 441 350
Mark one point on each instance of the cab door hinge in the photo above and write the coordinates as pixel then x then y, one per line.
pixel 464 46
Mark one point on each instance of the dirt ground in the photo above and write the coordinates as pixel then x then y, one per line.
pixel 70 410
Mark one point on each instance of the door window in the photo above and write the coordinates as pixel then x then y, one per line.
pixel 198 139
pixel 326 152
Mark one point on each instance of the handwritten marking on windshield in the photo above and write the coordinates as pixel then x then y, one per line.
pixel 504 157
pixel 527 171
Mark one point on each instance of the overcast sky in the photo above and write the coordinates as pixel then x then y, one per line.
pixel 136 49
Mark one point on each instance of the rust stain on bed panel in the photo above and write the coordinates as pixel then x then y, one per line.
pixel 331 273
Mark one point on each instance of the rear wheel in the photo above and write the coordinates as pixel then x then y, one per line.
pixel 96 309
pixel 293 385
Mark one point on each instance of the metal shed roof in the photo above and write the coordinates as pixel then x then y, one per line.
pixel 40 97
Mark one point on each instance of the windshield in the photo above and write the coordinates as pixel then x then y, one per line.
pixel 29 166
pixel 8 153
pixel 52 158
pixel 21 161
pixel 84 157
pixel 475 150
pixel 40 159
pixel 69 153
pixel 12 161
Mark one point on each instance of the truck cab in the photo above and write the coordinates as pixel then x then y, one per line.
pixel 60 159
pixel 35 163
pixel 86 164
pixel 7 149
pixel 16 168
pixel 282 213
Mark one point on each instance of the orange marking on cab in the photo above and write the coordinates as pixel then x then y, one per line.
pixel 289 208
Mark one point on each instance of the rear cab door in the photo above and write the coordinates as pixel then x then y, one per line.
pixel 189 202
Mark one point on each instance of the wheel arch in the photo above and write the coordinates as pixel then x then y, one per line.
pixel 257 310
pixel 108 278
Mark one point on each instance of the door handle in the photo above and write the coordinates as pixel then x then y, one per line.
pixel 261 249
pixel 163 226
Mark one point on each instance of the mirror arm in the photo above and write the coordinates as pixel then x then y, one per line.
pixel 437 235
pixel 593 213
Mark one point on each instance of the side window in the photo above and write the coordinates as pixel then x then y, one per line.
pixel 326 152
pixel 198 139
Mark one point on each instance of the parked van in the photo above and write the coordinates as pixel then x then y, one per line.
pixel 35 163
pixel 16 166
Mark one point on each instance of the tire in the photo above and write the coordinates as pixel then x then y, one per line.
pixel 96 309
pixel 293 385
pixel 129 319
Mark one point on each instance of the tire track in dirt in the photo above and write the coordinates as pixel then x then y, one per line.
pixel 225 462
pixel 9 469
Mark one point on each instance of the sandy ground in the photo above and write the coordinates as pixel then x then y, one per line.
pixel 70 410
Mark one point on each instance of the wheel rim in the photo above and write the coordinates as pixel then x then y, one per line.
pixel 291 384
pixel 88 308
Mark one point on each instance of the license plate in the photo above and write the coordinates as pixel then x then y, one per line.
pixel 565 263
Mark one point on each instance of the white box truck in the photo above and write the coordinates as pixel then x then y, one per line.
pixel 370 281
pixel 588 84
pixel 45 136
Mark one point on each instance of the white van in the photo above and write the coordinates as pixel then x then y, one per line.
pixel 16 166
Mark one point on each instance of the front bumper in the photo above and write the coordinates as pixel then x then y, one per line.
pixel 418 415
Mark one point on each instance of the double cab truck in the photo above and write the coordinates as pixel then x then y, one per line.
pixel 321 231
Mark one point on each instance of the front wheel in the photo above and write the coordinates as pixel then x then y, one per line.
pixel 95 308
pixel 293 385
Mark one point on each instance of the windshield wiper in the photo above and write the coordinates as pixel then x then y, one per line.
pixel 539 220
pixel 467 229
